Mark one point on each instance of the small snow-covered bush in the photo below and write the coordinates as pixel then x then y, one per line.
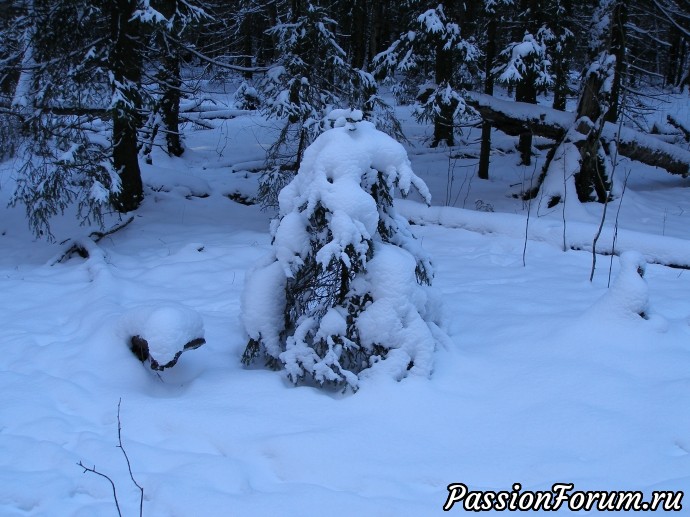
pixel 160 333
pixel 344 292
pixel 247 98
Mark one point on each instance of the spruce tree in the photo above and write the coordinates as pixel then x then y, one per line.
pixel 526 65
pixel 310 75
pixel 167 23
pixel 344 292
pixel 437 60
pixel 58 81
pixel 494 13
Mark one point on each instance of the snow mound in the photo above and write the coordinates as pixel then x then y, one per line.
pixel 263 307
pixel 162 332
pixel 397 314
pixel 180 182
pixel 628 297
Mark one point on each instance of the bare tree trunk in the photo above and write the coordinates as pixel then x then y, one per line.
pixel 443 121
pixel 485 150
pixel 170 102
pixel 125 65
pixel 617 48
pixel 24 91
pixel 170 83
pixel 525 92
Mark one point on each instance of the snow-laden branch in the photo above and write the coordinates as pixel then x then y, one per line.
pixel 671 16
pixel 215 62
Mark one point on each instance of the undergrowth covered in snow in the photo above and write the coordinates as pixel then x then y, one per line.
pixel 544 378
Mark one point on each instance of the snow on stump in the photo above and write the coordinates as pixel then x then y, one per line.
pixel 345 292
pixel 161 333
pixel 629 293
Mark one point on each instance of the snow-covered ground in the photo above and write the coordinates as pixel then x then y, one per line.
pixel 549 378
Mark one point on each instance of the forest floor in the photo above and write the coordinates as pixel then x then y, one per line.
pixel 550 378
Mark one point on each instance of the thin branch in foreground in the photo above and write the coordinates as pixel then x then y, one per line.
pixel 94 471
pixel 529 211
pixel 615 227
pixel 97 236
pixel 600 227
pixel 129 465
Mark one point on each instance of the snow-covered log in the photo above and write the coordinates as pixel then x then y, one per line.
pixel 679 126
pixel 657 249
pixel 214 113
pixel 515 118
pixel 648 150
pixel 191 114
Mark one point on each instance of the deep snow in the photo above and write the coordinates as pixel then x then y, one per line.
pixel 548 377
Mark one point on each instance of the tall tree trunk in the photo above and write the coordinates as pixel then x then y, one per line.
pixel 125 65
pixel 443 120
pixel 525 91
pixel 22 99
pixel 372 15
pixel 170 100
pixel 562 54
pixel 359 23
pixel 592 173
pixel 674 65
pixel 248 30
pixel 485 150
pixel 618 40
pixel 170 83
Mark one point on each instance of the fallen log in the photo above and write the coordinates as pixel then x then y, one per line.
pixel 679 126
pixel 514 118
pixel 648 150
pixel 210 114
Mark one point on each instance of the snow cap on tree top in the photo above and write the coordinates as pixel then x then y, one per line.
pixel 343 118
pixel 342 157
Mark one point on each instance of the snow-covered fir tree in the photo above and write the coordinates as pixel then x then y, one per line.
pixel 435 42
pixel 61 83
pixel 83 68
pixel 561 48
pixel 526 65
pixel 167 22
pixel 527 60
pixel 311 75
pixel 345 291
pixel 494 12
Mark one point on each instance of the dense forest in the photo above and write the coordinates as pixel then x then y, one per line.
pixel 458 232
pixel 88 88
